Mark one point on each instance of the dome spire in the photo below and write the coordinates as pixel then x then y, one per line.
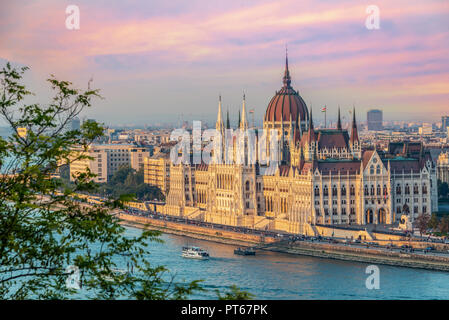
pixel 287 80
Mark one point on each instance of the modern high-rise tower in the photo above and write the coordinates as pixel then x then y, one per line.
pixel 374 119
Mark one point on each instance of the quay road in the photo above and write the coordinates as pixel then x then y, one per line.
pixel 290 239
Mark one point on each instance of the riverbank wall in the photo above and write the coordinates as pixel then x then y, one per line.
pixel 320 250
pixel 364 255
pixel 195 231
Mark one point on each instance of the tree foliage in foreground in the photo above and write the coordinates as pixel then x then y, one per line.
pixel 42 230
pixel 126 180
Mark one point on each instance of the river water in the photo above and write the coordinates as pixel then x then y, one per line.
pixel 270 275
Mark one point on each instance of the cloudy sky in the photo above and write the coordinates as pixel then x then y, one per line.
pixel 159 60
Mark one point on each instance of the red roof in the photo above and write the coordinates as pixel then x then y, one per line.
pixel 287 102
pixel 343 166
pixel 332 139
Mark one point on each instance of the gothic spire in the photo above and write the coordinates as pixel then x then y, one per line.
pixel 311 132
pixel 219 124
pixel 339 120
pixel 244 122
pixel 354 133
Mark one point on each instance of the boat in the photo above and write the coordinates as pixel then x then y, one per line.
pixel 194 253
pixel 245 252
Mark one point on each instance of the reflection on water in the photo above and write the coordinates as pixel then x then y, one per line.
pixel 270 275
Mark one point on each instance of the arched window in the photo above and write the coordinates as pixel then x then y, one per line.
pixel 372 190
pixel 317 191
pixel 343 190
pixel 424 189
pixel 398 209
pixel 352 190
pixel 247 185
pixel 378 190
pixel 325 191
pixel 378 169
pixel 371 169
pixel 385 190
pixel 415 189
pixel 334 191
pixel 407 189
pixel 398 189
pixel 366 190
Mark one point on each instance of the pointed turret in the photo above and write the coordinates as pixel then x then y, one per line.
pixel 219 125
pixel 339 120
pixel 244 122
pixel 311 132
pixel 354 134
pixel 291 132
pixel 238 124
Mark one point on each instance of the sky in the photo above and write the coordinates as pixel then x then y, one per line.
pixel 163 61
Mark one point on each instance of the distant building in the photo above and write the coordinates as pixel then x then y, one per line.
pixel 444 123
pixel 76 123
pixel 157 168
pixel 425 129
pixel 108 158
pixel 374 119
pixel 157 172
pixel 317 177
pixel 443 167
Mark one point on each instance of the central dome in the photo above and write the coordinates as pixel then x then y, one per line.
pixel 287 103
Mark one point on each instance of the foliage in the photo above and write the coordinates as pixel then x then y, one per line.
pixel 42 229
pixel 443 225
pixel 439 223
pixel 422 222
pixel 127 181
pixel 234 293
pixel 443 189
pixel 434 221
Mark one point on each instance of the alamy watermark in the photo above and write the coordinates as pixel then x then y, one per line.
pixel 373 280
pixel 72 21
pixel 372 22
pixel 73 279
pixel 229 146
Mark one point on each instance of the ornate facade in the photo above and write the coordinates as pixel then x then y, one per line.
pixel 443 167
pixel 321 177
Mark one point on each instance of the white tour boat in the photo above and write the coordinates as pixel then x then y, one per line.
pixel 194 253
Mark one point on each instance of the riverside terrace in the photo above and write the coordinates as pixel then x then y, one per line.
pixel 402 253
pixel 399 241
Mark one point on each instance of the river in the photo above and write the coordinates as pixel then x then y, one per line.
pixel 270 275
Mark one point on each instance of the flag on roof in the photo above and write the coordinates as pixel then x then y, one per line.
pixel 323 109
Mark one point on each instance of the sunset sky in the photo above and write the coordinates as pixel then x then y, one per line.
pixel 160 60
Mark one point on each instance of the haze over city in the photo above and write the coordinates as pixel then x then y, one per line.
pixel 162 61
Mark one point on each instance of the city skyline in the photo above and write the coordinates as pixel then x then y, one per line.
pixel 157 61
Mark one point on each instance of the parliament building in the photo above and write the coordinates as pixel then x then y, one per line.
pixel 322 176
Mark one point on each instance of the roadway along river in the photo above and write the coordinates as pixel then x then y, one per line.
pixel 270 275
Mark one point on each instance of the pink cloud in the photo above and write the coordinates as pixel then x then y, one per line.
pixel 328 45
